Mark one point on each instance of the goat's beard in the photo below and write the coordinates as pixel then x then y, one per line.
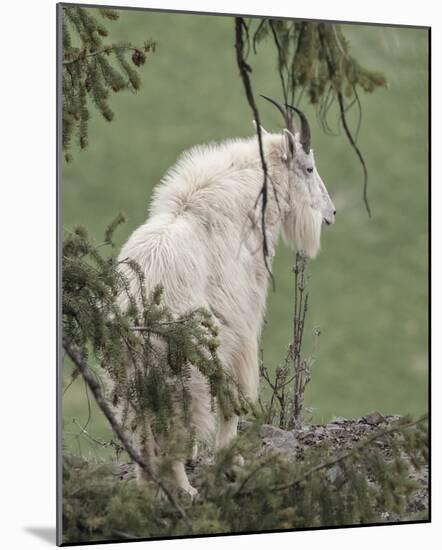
pixel 301 230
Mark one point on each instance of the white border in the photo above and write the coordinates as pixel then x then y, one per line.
pixel 27 271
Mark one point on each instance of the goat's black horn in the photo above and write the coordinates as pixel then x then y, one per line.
pixel 283 111
pixel 305 137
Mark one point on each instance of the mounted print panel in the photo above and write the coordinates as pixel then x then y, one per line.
pixel 243 289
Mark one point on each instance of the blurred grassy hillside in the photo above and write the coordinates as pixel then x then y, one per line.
pixel 368 288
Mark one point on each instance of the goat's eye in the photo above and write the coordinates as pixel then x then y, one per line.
pixel 309 170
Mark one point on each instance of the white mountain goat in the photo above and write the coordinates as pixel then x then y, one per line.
pixel 203 243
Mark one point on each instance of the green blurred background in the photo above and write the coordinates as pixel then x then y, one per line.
pixel 368 288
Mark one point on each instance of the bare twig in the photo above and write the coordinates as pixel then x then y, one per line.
pixel 105 444
pixel 301 374
pixel 290 380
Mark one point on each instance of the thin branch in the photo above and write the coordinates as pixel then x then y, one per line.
pixel 71 381
pixel 136 328
pixel 76 358
pixel 332 70
pixel 245 69
pixel 111 443
pixel 281 62
pixel 356 149
pixel 338 43
pixel 326 103
pixel 107 50
pixel 358 102
pixel 256 34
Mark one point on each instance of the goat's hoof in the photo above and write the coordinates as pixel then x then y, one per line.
pixel 192 491
pixel 188 492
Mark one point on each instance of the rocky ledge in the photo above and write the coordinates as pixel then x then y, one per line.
pixel 339 435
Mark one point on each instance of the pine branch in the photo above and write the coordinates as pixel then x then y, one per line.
pixel 93 70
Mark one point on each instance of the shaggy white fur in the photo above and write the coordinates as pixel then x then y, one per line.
pixel 203 243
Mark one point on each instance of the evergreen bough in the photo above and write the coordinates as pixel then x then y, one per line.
pixel 91 70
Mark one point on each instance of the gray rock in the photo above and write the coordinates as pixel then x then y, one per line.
pixel 339 420
pixel 374 418
pixel 277 439
pixel 268 431
pixel 282 444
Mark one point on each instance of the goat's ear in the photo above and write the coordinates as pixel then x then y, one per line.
pixel 277 148
pixel 263 130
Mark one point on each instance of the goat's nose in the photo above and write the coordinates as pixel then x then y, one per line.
pixel 334 212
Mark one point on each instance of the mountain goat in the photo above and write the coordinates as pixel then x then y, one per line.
pixel 203 243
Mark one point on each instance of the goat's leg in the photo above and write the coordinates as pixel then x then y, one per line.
pixel 181 478
pixel 227 430
pixel 246 371
pixel 150 452
pixel 179 472
pixel 194 451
